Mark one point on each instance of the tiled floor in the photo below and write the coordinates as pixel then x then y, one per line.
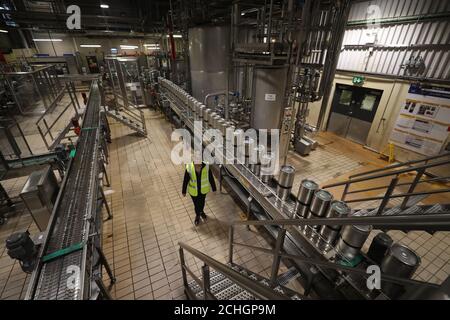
pixel 151 217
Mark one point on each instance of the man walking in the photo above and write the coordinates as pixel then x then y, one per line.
pixel 198 181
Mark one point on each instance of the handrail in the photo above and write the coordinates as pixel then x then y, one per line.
pixel 382 175
pixel 397 220
pixel 400 195
pixel 400 184
pixel 399 165
pixel 255 288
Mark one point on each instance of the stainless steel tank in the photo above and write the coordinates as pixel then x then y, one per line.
pixel 337 209
pixel 306 191
pixel 209 48
pixel 269 85
pixel 402 262
pixel 285 181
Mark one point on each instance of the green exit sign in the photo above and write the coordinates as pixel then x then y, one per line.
pixel 358 80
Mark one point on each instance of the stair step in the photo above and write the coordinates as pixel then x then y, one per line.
pixel 286 277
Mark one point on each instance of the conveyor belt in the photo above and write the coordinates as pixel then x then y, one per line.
pixel 70 224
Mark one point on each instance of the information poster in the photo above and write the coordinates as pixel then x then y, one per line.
pixel 423 123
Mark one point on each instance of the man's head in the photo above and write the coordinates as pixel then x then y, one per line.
pixel 197 158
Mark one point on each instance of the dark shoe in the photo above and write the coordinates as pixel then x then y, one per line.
pixel 197 221
pixel 204 216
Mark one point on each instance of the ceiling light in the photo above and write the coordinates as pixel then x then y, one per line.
pixel 47 40
pixel 90 45
pixel 151 45
pixel 104 6
pixel 3 31
pixel 122 46
pixel 175 36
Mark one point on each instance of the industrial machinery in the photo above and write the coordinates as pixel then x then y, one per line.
pixel 67 263
pixel 317 235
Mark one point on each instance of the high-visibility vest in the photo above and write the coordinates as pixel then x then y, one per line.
pixel 204 178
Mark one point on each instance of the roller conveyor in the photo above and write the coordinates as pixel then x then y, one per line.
pixel 67 246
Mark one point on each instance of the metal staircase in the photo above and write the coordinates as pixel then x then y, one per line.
pixel 133 119
pixel 229 281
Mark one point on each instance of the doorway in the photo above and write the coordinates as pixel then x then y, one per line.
pixel 352 111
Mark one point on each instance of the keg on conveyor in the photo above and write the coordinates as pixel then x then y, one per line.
pixel 319 206
pixel 304 197
pixel 285 181
pixel 399 261
pixel 206 112
pixel 239 153
pixel 337 209
pixel 248 147
pixel 379 247
pixel 266 171
pixel 351 240
pixel 255 166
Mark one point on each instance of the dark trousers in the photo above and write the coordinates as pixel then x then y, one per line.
pixel 199 203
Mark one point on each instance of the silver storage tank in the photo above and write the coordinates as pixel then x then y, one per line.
pixel 269 84
pixel 352 239
pixel 402 262
pixel 337 209
pixel 285 181
pixel 209 48
pixel 319 205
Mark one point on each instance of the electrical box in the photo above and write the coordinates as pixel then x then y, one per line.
pixel 39 195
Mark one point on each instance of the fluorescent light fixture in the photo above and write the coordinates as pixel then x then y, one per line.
pixel 47 40
pixel 122 46
pixel 175 36
pixel 90 45
pixel 151 45
pixel 104 6
pixel 3 31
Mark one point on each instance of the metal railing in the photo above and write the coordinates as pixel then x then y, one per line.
pixel 54 127
pixel 278 253
pixel 258 290
pixel 419 167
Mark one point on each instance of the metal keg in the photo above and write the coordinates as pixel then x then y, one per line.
pixel 222 126
pixel 400 261
pixel 239 153
pixel 320 202
pixel 266 172
pixel 306 191
pixel 352 239
pixel 301 209
pixel 285 181
pixel 206 113
pixel 216 120
pixel 337 209
pixel 379 246
pixel 248 146
pixel 201 110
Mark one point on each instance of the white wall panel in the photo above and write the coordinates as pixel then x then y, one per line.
pixel 395 42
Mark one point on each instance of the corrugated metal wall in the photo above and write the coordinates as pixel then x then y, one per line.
pixel 400 28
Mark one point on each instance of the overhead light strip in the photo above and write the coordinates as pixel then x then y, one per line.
pixel 47 40
pixel 4 31
pixel 90 45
